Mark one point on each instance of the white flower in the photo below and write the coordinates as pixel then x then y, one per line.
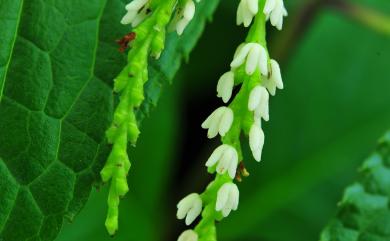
pixel 246 10
pixel 219 121
pixel 136 12
pixel 188 235
pixel 256 141
pixel 275 11
pixel 258 102
pixel 185 16
pixel 255 56
pixel 227 159
pixel 225 86
pixel 189 208
pixel 227 198
pixel 274 80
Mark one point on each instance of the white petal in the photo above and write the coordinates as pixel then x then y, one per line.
pixel 263 108
pixel 224 162
pixel 241 55
pixel 248 16
pixel 253 6
pixel 189 10
pixel 194 212
pixel 225 86
pixel 213 117
pixel 181 25
pixel 136 5
pixel 270 85
pixel 256 141
pixel 226 121
pixel 253 59
pixel 269 6
pixel 222 196
pixel 128 18
pixel 240 14
pixel 216 155
pixel 235 195
pixel 263 61
pixel 138 19
pixel 276 14
pixel 188 235
pixel 233 165
pixel 255 97
pixel 276 75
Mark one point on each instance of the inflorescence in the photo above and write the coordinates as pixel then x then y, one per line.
pixel 259 77
pixel 150 19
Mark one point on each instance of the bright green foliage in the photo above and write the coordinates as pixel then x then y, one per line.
pixel 150 38
pixel 56 103
pixel 364 212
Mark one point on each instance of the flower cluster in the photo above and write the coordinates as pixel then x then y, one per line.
pixel 150 22
pixel 259 77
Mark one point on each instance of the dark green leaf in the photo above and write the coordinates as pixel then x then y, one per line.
pixel 57 62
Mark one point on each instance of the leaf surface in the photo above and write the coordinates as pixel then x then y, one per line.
pixel 364 213
pixel 56 69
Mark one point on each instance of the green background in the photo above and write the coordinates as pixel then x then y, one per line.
pixel 327 120
pixel 335 105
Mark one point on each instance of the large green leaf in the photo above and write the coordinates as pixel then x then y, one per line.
pixel 58 59
pixel 364 212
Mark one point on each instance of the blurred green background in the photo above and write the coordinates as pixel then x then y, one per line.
pixel 335 58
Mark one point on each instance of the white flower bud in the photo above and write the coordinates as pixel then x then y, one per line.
pixel 246 10
pixel 258 102
pixel 274 79
pixel 189 208
pixel 275 11
pixel 256 141
pixel 136 12
pixel 185 17
pixel 227 198
pixel 225 86
pixel 227 158
pixel 255 57
pixel 188 235
pixel 219 121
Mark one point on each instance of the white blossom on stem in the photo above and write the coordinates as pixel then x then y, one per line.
pixel 185 16
pixel 254 56
pixel 246 10
pixel 137 11
pixel 227 158
pixel 188 235
pixel 274 80
pixel 225 86
pixel 256 141
pixel 219 121
pixel 227 198
pixel 258 102
pixel 275 11
pixel 189 208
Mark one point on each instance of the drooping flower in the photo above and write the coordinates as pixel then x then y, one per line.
pixel 246 10
pixel 256 141
pixel 189 208
pixel 219 121
pixel 258 102
pixel 225 86
pixel 274 80
pixel 137 11
pixel 254 56
pixel 184 16
pixel 275 11
pixel 188 235
pixel 227 158
pixel 227 198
